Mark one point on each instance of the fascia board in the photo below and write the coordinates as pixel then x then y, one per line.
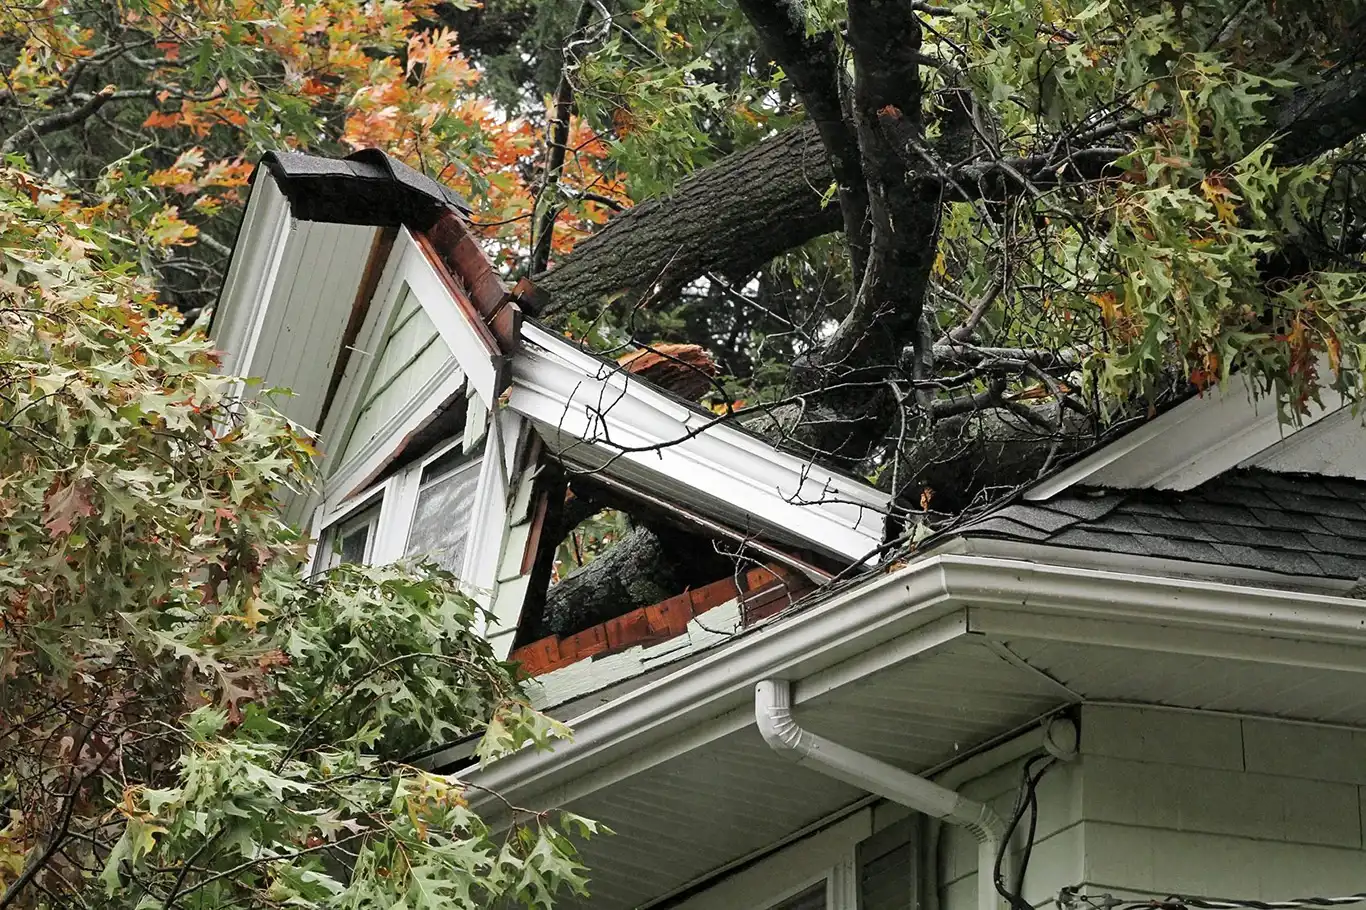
pixel 473 347
pixel 1195 441
pixel 594 415
pixel 833 639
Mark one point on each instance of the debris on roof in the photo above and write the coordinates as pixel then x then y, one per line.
pixel 687 370
pixel 1294 524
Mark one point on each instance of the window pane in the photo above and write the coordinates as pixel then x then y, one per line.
pixel 812 898
pixel 350 540
pixel 354 547
pixel 441 522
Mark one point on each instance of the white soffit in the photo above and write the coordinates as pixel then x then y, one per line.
pixel 1335 446
pixel 603 420
pixel 901 618
pixel 287 299
pixel 1193 442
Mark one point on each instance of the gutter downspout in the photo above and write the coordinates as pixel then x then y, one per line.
pixel 773 714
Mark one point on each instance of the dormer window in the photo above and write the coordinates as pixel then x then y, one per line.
pixel 423 510
pixel 451 426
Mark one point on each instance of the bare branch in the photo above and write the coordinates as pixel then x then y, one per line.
pixel 61 120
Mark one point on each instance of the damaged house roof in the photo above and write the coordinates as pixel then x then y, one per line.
pixel 1293 524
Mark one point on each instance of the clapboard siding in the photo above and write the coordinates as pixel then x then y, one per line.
pixel 1168 802
pixel 412 354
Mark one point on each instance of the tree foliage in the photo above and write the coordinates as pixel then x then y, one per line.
pixel 942 245
pixel 185 719
pixel 1058 216
pixel 166 103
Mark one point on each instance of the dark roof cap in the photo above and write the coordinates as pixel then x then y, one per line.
pixel 368 187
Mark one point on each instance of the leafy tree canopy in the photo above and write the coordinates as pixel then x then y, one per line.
pixel 943 245
pixel 185 719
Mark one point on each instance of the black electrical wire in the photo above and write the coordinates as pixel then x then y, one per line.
pixel 1028 801
pixel 1070 897
pixel 1196 903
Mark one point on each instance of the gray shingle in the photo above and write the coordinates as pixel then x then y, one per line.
pixel 1086 539
pixel 992 526
pixel 1336 566
pixel 1167 527
pixel 1154 507
pixel 1342 527
pixel 1216 513
pixel 1320 505
pixel 1086 506
pixel 1040 517
pixel 1188 550
pixel 1299 521
pixel 1334 543
pixel 1290 524
pixel 1251 497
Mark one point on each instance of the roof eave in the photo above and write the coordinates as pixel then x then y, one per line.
pixel 893 617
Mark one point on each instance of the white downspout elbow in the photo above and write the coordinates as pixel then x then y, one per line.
pixel 773 714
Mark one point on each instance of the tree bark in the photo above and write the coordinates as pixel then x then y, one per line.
pixel 729 218
pixel 648 565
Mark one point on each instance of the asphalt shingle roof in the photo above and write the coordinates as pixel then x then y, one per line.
pixel 1294 524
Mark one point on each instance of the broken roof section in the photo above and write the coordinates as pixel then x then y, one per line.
pixel 358 284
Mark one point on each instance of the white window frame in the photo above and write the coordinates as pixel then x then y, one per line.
pixel 397 498
pixel 329 558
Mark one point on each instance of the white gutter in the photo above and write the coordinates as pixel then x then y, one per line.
pixel 709 698
pixel 773 715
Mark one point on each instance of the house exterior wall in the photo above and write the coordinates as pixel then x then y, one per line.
pixel 1167 802
pixel 412 354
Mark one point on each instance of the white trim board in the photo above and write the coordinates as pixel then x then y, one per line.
pixel 1332 447
pixel 1193 442
pixel 600 419
pixel 251 272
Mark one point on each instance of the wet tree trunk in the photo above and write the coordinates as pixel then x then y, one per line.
pixel 730 219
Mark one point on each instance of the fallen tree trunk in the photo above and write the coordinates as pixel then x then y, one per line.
pixel 738 214
pixel 648 565
pixel 729 218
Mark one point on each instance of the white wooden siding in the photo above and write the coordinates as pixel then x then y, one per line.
pixel 1168 802
pixel 295 341
pixel 412 354
pixel 308 314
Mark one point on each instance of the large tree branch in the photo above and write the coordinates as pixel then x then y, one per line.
pixel 1319 119
pixel 548 205
pixel 730 218
pixel 737 214
pixel 888 303
pixel 60 120
pixel 811 63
